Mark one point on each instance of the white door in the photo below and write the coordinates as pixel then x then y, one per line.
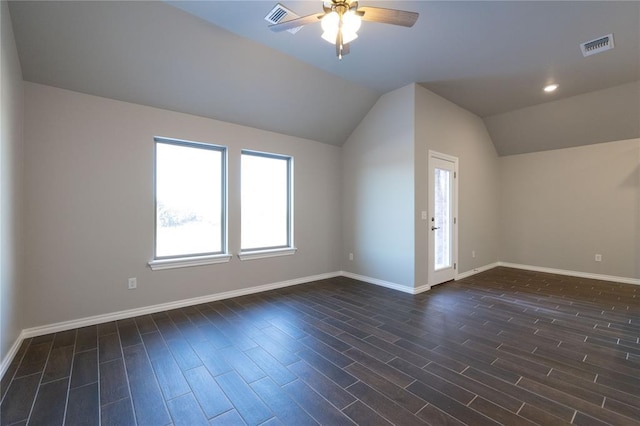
pixel 442 226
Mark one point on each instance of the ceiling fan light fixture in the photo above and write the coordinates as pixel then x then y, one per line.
pixel 342 19
pixel 331 25
pixel 329 37
pixel 348 37
pixel 330 22
pixel 332 36
pixel 351 22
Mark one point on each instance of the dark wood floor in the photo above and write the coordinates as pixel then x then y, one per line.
pixel 504 346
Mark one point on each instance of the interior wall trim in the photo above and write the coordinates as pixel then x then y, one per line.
pixel 387 284
pixel 477 270
pixel 130 313
pixel 13 350
pixel 625 280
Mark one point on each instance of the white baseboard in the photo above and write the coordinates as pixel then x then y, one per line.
pixel 578 274
pixel 130 313
pixel 387 284
pixel 13 350
pixel 477 270
pixel 421 289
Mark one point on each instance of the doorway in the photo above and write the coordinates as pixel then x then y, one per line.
pixel 443 217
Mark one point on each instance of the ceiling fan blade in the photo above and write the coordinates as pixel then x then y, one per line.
pixel 389 16
pixel 298 22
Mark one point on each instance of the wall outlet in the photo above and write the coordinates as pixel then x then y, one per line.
pixel 350 256
pixel 598 258
pixel 133 283
pixel 473 253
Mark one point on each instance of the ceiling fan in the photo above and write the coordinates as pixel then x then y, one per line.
pixel 341 21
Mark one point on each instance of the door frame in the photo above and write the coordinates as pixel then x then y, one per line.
pixel 430 208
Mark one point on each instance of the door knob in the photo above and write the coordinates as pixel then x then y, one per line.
pixel 433 228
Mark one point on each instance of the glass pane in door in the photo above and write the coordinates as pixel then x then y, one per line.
pixel 442 218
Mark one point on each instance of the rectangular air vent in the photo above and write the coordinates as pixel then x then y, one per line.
pixel 281 14
pixel 597 45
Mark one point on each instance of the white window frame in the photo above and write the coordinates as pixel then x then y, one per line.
pixel 289 248
pixel 183 261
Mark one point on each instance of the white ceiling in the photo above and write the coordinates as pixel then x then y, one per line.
pixel 220 60
pixel 489 57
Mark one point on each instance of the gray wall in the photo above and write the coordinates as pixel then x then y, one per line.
pixel 87 201
pixel 378 188
pixel 90 212
pixel 444 127
pixel 11 189
pixel 559 208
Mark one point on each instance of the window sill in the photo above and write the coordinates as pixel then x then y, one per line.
pixel 186 262
pixel 262 254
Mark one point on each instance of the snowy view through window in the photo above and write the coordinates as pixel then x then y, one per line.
pixel 265 201
pixel 189 207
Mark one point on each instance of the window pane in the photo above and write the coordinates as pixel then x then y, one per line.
pixel 265 201
pixel 189 206
pixel 443 219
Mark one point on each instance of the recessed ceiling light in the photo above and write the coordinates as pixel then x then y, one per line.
pixel 550 88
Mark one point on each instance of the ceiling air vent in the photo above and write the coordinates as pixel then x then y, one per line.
pixel 597 45
pixel 278 14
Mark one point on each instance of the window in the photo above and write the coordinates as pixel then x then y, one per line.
pixel 190 193
pixel 266 212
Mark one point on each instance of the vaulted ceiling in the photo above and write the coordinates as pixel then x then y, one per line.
pixel 219 59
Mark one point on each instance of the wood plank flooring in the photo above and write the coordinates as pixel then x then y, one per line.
pixel 502 347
